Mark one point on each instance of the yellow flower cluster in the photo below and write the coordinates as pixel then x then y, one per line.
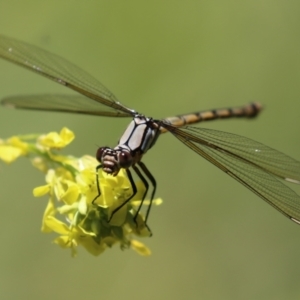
pixel 71 187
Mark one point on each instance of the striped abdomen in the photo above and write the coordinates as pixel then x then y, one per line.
pixel 246 111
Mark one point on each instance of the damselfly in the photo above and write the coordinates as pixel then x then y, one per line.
pixel 253 164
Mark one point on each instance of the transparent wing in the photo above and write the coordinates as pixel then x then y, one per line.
pixel 61 71
pixel 62 103
pixel 249 162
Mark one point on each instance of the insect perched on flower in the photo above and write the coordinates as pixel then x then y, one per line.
pixel 256 166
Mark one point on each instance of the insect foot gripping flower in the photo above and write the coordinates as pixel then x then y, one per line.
pixel 71 188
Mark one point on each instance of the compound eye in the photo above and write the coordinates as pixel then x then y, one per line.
pixel 100 153
pixel 125 159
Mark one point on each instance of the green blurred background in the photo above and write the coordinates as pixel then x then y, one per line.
pixel 213 239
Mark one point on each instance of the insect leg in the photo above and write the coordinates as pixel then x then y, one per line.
pixel 146 184
pixel 97 183
pixel 127 200
pixel 153 182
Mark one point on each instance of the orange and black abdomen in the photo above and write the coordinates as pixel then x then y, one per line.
pixel 247 111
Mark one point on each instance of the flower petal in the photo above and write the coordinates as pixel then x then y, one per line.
pixel 140 248
pixel 57 140
pixel 71 194
pixel 57 225
pixel 41 190
pixel 9 153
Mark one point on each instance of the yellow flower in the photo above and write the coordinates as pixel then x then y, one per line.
pixel 57 140
pixel 74 211
pixel 12 148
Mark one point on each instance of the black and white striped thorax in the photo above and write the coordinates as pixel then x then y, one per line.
pixel 140 135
